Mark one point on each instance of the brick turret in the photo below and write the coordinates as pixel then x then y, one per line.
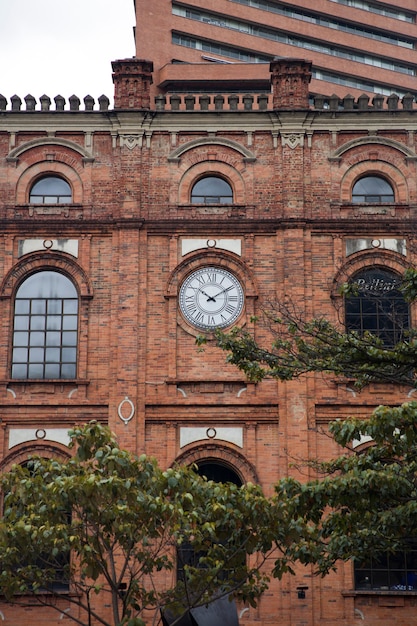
pixel 132 79
pixel 290 79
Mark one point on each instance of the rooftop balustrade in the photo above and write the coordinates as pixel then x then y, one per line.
pixel 213 102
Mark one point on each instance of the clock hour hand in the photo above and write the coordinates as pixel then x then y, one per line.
pixel 208 297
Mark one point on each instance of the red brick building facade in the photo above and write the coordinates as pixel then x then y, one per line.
pixel 120 210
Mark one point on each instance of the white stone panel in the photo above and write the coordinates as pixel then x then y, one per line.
pixel 232 245
pixel 70 246
pixel 356 245
pixel 191 434
pixel 23 435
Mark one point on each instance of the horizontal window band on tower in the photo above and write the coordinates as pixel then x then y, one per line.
pixel 356 83
pixel 328 22
pixel 219 48
pixel 249 57
pixel 404 16
pixel 293 40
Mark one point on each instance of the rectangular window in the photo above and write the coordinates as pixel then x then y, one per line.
pixel 396 572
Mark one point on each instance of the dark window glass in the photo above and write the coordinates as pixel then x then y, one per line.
pixel 379 307
pixel 50 190
pixel 218 473
pixel 372 189
pixel 212 190
pixel 396 571
pixel 45 327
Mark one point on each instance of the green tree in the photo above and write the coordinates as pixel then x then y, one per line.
pixel 362 503
pixel 108 524
pixel 300 347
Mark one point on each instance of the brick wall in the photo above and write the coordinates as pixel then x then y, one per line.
pixel 139 236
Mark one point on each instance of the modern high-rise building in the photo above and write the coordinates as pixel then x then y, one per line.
pixel 356 46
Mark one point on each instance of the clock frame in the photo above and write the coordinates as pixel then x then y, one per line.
pixel 211 297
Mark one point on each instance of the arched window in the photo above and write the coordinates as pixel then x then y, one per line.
pixel 212 190
pixel 378 306
pixel 219 473
pixel 373 189
pixel 45 333
pixel 50 190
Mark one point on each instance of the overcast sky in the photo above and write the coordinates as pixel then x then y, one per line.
pixel 63 47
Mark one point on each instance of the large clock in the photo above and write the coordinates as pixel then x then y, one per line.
pixel 211 297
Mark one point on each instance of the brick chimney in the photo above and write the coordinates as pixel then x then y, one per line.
pixel 132 79
pixel 290 79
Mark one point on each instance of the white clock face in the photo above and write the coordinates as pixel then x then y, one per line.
pixel 211 297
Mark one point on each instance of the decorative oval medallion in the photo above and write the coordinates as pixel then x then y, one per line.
pixel 126 401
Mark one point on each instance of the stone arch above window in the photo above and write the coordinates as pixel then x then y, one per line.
pixel 211 190
pixel 39 261
pixel 248 155
pixel 372 189
pixel 49 142
pixel 211 156
pixel 363 259
pixel 21 453
pixel 221 455
pixel 373 142
pixel 381 170
pixel 50 190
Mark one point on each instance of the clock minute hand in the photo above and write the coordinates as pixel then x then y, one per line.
pixel 224 290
